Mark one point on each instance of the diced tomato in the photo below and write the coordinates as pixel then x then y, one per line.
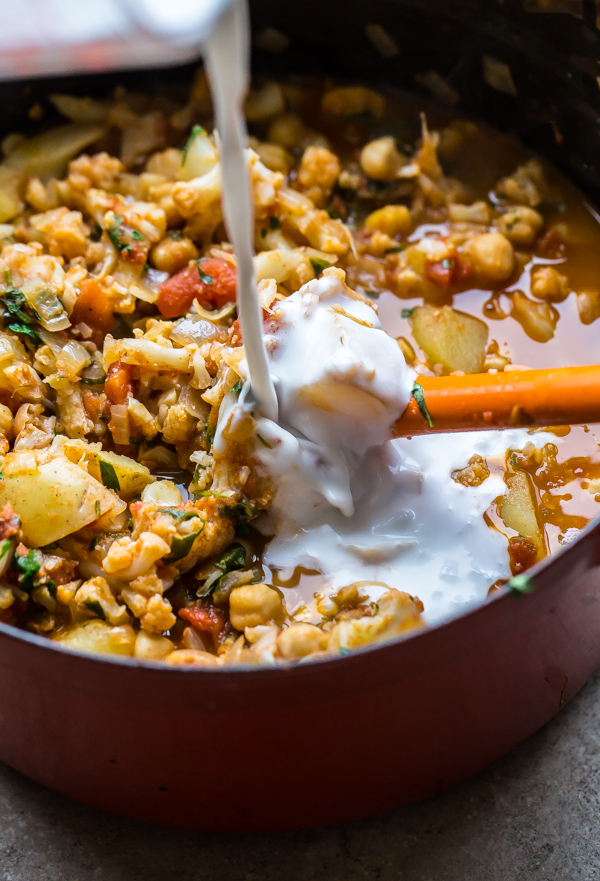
pixel 92 307
pixel 207 619
pixel 451 270
pixel 440 272
pixel 119 382
pixel 552 244
pixel 177 294
pixel 9 522
pixel 523 553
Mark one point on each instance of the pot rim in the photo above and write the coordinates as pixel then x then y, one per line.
pixel 544 567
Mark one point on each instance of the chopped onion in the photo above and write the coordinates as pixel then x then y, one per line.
pixel 195 330
pixel 192 402
pixel 46 305
pixel 228 309
pixel 72 358
pixel 119 419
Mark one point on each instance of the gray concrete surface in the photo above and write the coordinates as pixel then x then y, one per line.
pixel 533 816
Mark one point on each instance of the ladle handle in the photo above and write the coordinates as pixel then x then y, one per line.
pixel 515 398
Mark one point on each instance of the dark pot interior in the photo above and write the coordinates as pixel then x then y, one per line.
pixel 550 46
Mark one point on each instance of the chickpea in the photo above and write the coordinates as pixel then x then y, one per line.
pixel 521 225
pixel 394 220
pixel 173 253
pixel 274 156
pixel 588 306
pixel 300 640
pixel 353 101
pixel 254 604
pixel 166 163
pixel 191 658
pixel 492 256
pixel 538 320
pixel 478 212
pixel 287 130
pixel 318 172
pixel 381 159
pixel 6 419
pixel 549 284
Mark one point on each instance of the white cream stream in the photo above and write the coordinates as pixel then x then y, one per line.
pixel 227 56
pixel 348 502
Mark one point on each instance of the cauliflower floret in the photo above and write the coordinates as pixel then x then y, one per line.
pixel 95 596
pixel 65 233
pixel 144 598
pixel 158 615
pixel 318 172
pixel 73 416
pixel 396 613
pixel 101 171
pixel 28 263
pixel 24 381
pixel 127 559
pixel 179 425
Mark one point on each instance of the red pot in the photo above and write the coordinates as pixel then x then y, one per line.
pixel 318 743
pixel 333 740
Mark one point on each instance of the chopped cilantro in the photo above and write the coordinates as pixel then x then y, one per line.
pixel 333 214
pixel 51 585
pixel 26 331
pixel 318 265
pixel 95 607
pixel 239 515
pixel 520 584
pixel 231 560
pixel 182 545
pixel 210 435
pixel 344 650
pixel 406 313
pixel 97 508
pixel 108 476
pixel 237 387
pixel 93 543
pixel 395 250
pixel 419 396
pixel 119 234
pixel 274 223
pixel 5 547
pixel 448 264
pixel 514 461
pixel 179 515
pixel 196 130
pixel 205 278
pixel 27 565
pixel 14 306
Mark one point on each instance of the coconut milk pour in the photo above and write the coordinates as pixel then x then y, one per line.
pixel 227 61
pixel 325 390
pixel 349 502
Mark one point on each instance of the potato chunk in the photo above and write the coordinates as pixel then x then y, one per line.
pixel 99 637
pixel 517 508
pixel 52 496
pixel 119 473
pixel 450 338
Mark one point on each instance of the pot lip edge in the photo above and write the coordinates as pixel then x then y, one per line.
pixel 544 567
